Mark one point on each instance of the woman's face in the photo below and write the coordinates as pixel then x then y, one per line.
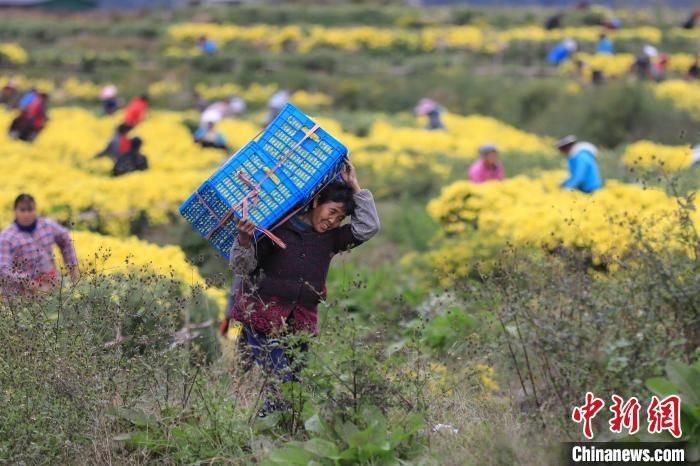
pixel 491 158
pixel 327 216
pixel 25 213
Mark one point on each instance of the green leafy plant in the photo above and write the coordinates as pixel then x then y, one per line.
pixel 683 380
pixel 369 438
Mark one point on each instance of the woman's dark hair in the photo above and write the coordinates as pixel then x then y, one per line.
pixel 24 198
pixel 338 192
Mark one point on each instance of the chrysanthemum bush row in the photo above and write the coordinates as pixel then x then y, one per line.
pixel 87 91
pixel 468 37
pixel 479 220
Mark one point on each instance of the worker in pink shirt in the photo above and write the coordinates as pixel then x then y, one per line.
pixel 26 250
pixel 487 167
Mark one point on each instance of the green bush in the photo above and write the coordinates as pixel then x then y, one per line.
pixel 71 354
pixel 358 406
pixel 612 114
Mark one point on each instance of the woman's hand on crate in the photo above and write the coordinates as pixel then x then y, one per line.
pixel 350 176
pixel 246 230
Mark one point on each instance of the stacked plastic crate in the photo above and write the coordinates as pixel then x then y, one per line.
pixel 284 168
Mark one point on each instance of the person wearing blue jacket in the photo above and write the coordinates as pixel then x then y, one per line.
pixel 583 166
pixel 605 45
pixel 562 52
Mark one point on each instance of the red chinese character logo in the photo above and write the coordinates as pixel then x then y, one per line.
pixel 626 415
pixel 665 415
pixel 587 412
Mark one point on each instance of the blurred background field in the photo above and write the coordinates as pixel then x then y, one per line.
pixel 490 309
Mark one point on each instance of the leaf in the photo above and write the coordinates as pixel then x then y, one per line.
pixel 686 379
pixel 136 417
pixel 321 447
pixel 359 438
pixel 661 387
pixel 314 424
pixel 266 423
pixel 395 347
pixel 181 435
pixel 307 410
pixel 345 430
pixel 349 454
pixel 142 439
pixel 373 416
pixel 372 451
pixel 413 423
pixel 292 454
pixel 398 435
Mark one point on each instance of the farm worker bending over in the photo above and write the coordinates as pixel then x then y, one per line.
pixel 108 97
pixel 132 160
pixel 561 52
pixel 118 145
pixel 8 95
pixel 487 167
pixel 217 111
pixel 433 110
pixel 206 45
pixel 31 119
pixel 26 255
pixel 208 136
pixel 281 288
pixel 135 112
pixel 583 167
pixel 605 45
pixel 692 20
pixel 694 70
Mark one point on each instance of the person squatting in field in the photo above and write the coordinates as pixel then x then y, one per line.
pixel 584 174
pixel 132 160
pixel 280 289
pixel 119 144
pixel 26 255
pixel 487 167
pixel 32 116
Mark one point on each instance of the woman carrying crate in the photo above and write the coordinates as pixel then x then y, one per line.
pixel 281 288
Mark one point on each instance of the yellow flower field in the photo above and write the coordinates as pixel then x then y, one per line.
pixel 647 154
pixel 537 212
pixel 684 95
pixel 619 64
pixel 14 53
pixel 73 88
pixel 426 39
pixel 109 255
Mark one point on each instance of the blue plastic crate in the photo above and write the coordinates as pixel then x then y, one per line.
pixel 305 168
pixel 311 164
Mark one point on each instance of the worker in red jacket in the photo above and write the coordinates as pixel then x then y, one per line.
pixel 135 112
